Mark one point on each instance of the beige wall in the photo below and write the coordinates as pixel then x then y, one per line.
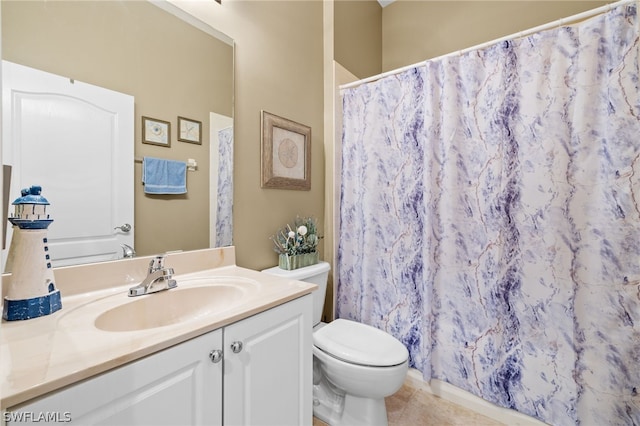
pixel 413 31
pixel 170 67
pixel 279 69
pixel 358 36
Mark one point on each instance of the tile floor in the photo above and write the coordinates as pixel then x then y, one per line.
pixel 412 406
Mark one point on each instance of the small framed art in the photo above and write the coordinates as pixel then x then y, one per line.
pixel 189 130
pixel 156 132
pixel 286 153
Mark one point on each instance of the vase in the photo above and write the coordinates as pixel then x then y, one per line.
pixel 296 261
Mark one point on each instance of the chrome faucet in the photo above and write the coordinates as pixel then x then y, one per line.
pixel 159 278
pixel 127 251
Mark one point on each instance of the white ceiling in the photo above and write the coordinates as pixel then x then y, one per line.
pixel 384 3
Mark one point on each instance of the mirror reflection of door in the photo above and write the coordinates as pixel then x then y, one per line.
pixel 76 141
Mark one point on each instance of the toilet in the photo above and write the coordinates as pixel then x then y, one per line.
pixel 355 366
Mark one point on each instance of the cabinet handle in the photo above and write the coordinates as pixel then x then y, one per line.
pixel 236 347
pixel 215 355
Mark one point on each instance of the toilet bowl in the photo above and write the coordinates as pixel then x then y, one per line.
pixel 355 366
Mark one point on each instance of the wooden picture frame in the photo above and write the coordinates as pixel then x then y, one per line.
pixel 156 132
pixel 189 130
pixel 285 153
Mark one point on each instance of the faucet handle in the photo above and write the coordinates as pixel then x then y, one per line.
pixel 156 264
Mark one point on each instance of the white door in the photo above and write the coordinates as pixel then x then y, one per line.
pixel 76 141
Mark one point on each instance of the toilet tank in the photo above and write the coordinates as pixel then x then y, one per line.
pixel 316 274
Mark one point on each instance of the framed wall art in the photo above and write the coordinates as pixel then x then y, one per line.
pixel 286 153
pixel 189 130
pixel 156 132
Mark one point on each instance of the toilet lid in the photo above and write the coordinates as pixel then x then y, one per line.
pixel 360 344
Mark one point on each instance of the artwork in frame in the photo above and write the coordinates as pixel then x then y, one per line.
pixel 286 153
pixel 189 130
pixel 156 132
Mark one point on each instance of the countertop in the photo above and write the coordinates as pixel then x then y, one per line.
pixel 43 354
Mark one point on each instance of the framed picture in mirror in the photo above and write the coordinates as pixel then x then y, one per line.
pixel 189 130
pixel 286 153
pixel 156 132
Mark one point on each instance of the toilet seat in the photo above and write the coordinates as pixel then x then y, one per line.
pixel 360 344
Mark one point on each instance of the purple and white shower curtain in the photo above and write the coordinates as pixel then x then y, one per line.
pixel 490 219
pixel 224 211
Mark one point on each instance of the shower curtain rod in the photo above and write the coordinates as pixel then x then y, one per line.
pixel 560 22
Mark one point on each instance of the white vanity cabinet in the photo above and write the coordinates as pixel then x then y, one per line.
pixel 268 367
pixel 257 371
pixel 179 385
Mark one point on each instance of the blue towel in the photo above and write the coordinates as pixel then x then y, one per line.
pixel 164 176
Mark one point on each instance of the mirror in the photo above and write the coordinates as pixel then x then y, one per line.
pixel 173 68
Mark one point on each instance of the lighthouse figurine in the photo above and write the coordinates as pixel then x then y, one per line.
pixel 32 292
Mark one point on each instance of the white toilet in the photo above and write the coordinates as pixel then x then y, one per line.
pixel 355 366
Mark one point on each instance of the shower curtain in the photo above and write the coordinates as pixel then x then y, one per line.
pixel 224 210
pixel 490 219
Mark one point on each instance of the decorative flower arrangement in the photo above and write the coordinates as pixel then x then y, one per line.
pixel 300 239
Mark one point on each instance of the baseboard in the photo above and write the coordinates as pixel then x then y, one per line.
pixel 466 399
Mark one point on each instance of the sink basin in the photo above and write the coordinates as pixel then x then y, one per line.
pixel 170 307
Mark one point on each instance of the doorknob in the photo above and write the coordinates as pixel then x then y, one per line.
pixel 124 228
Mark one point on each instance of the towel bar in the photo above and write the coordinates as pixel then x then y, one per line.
pixel 192 165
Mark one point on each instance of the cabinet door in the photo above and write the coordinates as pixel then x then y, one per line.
pixel 177 386
pixel 269 381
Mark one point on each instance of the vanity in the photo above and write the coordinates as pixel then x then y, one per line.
pixel 227 346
